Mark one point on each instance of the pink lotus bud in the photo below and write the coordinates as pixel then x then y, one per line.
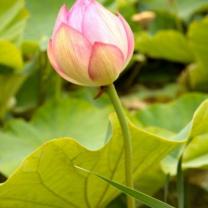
pixel 90 46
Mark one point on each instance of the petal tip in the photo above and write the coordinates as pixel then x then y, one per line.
pixel 64 8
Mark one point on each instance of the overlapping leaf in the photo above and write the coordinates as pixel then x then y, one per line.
pixel 168 44
pixel 173 116
pixel 196 153
pixel 173 45
pixel 48 178
pixel 198 33
pixel 68 117
pixel 179 115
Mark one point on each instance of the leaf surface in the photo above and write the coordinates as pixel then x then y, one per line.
pixel 68 117
pixel 189 121
pixel 167 44
pixel 173 116
pixel 48 177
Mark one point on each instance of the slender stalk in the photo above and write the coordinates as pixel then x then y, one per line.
pixel 111 91
pixel 58 88
pixel 180 185
pixel 166 188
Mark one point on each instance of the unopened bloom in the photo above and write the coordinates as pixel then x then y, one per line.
pixel 90 46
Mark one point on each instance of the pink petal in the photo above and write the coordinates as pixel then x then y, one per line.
pixel 62 18
pixel 76 15
pixel 130 37
pixel 100 25
pixel 106 63
pixel 55 65
pixel 72 52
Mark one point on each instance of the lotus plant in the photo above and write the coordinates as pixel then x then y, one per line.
pixel 90 46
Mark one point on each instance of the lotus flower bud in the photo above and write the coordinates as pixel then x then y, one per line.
pixel 90 46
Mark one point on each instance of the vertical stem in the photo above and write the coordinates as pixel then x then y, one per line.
pixel 58 87
pixel 111 91
pixel 180 184
pixel 166 188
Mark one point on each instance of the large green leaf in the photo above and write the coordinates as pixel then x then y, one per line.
pixel 48 177
pixel 168 44
pixel 67 117
pixel 196 154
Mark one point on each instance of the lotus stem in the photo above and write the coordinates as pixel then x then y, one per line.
pixel 166 188
pixel 180 185
pixel 58 88
pixel 112 93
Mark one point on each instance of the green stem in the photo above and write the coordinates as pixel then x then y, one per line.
pixel 180 185
pixel 111 91
pixel 166 188
pixel 58 88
